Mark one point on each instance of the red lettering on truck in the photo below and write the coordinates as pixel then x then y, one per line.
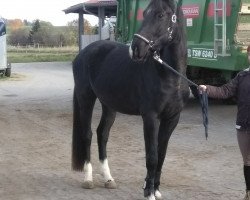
pixel 191 11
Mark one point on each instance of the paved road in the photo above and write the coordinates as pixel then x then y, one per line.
pixel 35 146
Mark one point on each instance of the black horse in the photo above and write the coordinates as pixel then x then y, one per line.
pixel 137 86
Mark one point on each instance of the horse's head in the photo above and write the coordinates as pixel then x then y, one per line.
pixel 157 30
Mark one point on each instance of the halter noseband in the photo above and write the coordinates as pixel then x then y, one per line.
pixel 149 42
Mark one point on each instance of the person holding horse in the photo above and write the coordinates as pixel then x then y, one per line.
pixel 238 87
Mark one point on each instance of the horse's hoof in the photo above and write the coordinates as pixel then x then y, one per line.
pixel 88 185
pixel 158 195
pixel 151 197
pixel 110 184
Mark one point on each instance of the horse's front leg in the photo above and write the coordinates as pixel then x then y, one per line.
pixel 167 126
pixel 151 127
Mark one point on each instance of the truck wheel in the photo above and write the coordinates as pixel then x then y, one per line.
pixel 8 72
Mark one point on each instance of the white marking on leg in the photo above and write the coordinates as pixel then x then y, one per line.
pixel 158 195
pixel 87 171
pixel 106 171
pixel 151 197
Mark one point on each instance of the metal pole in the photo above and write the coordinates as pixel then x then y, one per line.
pixel 100 23
pixel 101 16
pixel 224 29
pixel 80 29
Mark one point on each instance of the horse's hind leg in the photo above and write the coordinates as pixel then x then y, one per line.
pixel 83 102
pixel 107 120
pixel 167 126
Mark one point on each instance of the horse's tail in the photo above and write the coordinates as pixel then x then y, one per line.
pixel 78 152
pixel 82 134
pixel 83 105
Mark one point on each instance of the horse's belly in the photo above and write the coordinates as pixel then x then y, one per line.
pixel 117 88
pixel 119 103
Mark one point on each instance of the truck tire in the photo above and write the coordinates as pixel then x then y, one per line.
pixel 8 72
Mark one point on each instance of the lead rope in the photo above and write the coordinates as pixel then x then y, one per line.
pixel 202 97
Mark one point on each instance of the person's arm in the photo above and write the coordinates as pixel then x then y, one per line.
pixel 223 92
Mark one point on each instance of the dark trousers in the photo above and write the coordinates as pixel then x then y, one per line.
pixel 244 145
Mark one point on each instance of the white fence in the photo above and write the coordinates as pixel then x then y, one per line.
pixel 87 39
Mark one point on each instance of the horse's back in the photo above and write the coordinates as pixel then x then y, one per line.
pixel 90 59
pixel 94 52
pixel 106 68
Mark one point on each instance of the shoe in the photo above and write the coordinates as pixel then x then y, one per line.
pixel 247 196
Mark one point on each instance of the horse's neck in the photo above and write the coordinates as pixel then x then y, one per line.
pixel 175 57
pixel 176 61
pixel 168 56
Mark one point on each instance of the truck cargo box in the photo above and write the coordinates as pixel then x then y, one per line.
pixel 218 33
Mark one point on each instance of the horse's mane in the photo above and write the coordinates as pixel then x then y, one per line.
pixel 180 36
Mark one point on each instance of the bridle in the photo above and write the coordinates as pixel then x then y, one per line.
pixel 170 29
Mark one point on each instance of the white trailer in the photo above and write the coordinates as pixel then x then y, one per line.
pixel 5 68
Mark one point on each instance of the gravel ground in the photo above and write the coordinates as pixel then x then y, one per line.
pixel 35 146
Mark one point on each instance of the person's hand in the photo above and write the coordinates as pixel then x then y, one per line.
pixel 202 88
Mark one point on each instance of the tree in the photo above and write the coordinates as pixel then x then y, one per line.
pixel 46 34
pixel 71 33
pixel 18 37
pixel 50 36
pixel 95 30
pixel 88 30
pixel 73 23
pixel 26 23
pixel 35 27
pixel 15 24
pixel 44 23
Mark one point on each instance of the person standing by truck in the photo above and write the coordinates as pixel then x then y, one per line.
pixel 238 87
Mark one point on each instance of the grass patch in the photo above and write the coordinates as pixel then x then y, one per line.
pixel 30 54
pixel 13 77
pixel 39 57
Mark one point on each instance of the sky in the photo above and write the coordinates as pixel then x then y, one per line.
pixel 45 10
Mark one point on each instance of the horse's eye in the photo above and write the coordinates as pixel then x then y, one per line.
pixel 160 15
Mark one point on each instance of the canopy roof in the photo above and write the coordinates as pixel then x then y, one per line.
pixel 92 6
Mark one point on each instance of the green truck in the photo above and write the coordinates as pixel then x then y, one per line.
pixel 218 33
